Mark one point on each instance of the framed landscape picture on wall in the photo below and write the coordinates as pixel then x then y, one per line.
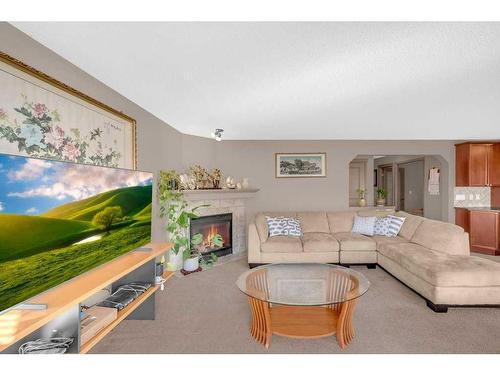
pixel 44 118
pixel 300 165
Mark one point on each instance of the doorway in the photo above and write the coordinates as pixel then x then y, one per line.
pixel 401 176
pixel 388 183
pixel 357 180
pixel 411 186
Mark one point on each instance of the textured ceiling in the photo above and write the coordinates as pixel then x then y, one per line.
pixel 297 80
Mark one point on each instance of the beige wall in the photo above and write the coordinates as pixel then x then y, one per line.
pixel 255 159
pixel 159 145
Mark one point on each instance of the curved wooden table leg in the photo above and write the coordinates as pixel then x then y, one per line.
pixel 345 326
pixel 260 328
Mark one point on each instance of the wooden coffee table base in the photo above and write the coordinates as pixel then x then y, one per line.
pixel 301 322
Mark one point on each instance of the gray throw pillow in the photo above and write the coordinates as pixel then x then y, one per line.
pixel 275 226
pixel 283 226
pixel 382 226
pixel 364 225
pixel 395 225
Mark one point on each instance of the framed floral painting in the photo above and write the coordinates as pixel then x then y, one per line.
pixel 42 117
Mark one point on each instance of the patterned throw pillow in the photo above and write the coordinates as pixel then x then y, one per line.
pixel 382 226
pixel 275 226
pixel 395 225
pixel 364 225
pixel 283 226
pixel 291 227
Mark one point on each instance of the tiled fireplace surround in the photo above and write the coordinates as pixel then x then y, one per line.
pixel 222 202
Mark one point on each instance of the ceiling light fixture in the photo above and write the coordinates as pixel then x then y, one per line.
pixel 217 134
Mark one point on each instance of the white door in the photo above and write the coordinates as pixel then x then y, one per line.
pixel 357 177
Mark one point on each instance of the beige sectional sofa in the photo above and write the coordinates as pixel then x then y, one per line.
pixel 431 257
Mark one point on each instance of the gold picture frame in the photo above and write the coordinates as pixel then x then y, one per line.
pixel 45 78
pixel 313 165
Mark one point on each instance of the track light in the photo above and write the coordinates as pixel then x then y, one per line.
pixel 217 134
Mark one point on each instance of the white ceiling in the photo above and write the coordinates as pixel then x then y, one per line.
pixel 297 80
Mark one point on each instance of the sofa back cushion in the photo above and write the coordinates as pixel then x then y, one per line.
pixel 410 225
pixel 313 222
pixel 341 221
pixel 440 236
pixel 377 212
pixel 261 222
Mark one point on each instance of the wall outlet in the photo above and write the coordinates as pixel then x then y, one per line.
pixel 471 197
pixel 460 197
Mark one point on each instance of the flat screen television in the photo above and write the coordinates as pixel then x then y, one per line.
pixel 59 220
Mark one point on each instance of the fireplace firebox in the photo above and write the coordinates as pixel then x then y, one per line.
pixel 217 232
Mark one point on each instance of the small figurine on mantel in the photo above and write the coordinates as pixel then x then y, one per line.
pixel 199 178
pixel 230 183
pixel 187 182
pixel 216 176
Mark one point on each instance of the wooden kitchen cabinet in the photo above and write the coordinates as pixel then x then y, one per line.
pixel 485 231
pixel 494 165
pixel 474 162
pixel 462 218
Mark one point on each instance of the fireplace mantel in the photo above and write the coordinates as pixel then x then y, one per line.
pixel 219 194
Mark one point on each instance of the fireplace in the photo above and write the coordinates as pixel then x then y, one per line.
pixel 217 232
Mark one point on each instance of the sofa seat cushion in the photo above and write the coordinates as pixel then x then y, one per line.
pixel 282 244
pixel 400 250
pixel 440 236
pixel 319 242
pixel 355 242
pixel 443 270
pixel 383 240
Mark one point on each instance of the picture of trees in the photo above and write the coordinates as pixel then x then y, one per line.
pixel 301 165
pixel 58 220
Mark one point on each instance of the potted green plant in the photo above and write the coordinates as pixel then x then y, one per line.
pixel 381 196
pixel 194 256
pixel 174 207
pixel 361 195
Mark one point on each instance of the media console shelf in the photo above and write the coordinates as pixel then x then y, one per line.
pixel 63 302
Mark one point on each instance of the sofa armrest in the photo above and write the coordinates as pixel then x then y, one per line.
pixel 466 243
pixel 253 243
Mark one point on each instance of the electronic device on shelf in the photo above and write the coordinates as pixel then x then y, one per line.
pixel 97 317
pixel 124 295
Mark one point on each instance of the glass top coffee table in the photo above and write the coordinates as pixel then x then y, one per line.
pixel 302 300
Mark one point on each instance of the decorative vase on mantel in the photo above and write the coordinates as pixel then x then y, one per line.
pixel 245 183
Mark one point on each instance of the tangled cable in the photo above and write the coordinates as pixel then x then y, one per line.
pixel 54 345
pixel 124 295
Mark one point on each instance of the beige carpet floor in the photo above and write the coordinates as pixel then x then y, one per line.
pixel 206 313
